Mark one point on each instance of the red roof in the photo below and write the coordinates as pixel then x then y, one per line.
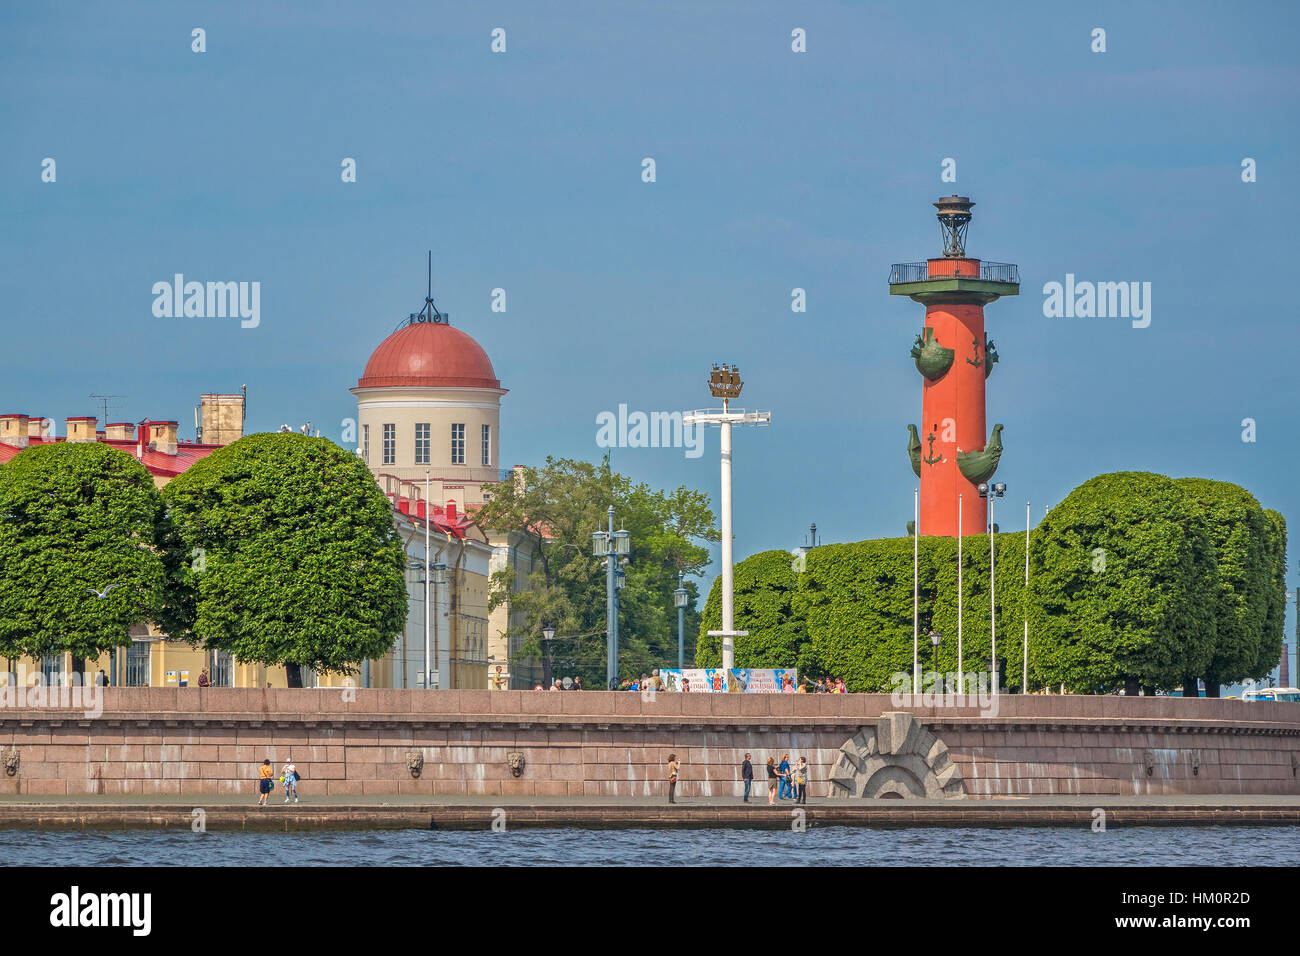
pixel 429 355
pixel 443 520
pixel 155 462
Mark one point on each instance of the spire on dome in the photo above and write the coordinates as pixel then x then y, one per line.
pixel 430 311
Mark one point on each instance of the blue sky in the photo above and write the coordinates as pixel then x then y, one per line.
pixel 775 170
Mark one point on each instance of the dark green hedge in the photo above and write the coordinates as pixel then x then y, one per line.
pixel 1134 578
pixel 849 613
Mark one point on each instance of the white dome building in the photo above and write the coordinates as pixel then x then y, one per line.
pixel 429 415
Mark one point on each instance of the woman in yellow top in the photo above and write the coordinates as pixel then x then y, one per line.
pixel 266 782
pixel 672 777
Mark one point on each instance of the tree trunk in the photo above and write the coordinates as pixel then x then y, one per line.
pixel 294 674
pixel 1211 688
pixel 1148 690
pixel 1130 687
pixel 1191 687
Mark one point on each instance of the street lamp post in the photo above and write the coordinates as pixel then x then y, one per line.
pixel 548 635
pixel 992 493
pixel 679 599
pixel 620 582
pixel 435 676
pixel 725 383
pixel 433 575
pixel 610 545
pixel 935 639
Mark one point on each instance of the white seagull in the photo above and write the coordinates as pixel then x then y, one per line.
pixel 104 593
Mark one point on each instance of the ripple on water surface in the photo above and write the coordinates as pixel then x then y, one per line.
pixel 824 846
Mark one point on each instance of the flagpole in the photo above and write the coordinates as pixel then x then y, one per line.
pixel 916 593
pixel 1024 675
pixel 961 681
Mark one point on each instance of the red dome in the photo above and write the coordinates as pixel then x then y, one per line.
pixel 429 355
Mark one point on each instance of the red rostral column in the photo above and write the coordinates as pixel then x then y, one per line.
pixel 953 453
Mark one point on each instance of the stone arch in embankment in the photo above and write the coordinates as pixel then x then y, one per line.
pixel 897 758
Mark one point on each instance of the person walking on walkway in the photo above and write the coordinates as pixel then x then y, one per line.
pixel 747 775
pixel 672 777
pixel 783 771
pixel 771 781
pixel 801 781
pixel 289 774
pixel 265 782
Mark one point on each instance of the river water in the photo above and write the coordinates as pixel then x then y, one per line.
pixel 821 846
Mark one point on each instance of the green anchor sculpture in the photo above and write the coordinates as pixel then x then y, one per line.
pixel 931 459
pixel 914 450
pixel 932 359
pixel 990 355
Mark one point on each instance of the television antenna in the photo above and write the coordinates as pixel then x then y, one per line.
pixel 104 401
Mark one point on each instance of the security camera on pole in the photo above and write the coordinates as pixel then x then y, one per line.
pixel 725 383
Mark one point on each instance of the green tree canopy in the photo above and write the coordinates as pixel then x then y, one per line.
pixel 295 559
pixel 1242 537
pixel 1121 572
pixel 764 589
pixel 1131 578
pixel 1270 642
pixel 558 507
pixel 848 613
pixel 77 516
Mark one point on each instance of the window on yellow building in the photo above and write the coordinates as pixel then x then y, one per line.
pixel 390 444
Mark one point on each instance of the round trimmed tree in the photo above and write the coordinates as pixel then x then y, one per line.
pixel 296 559
pixel 764 587
pixel 77 520
pixel 1243 546
pixel 1126 583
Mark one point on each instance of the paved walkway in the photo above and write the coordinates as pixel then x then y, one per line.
pixel 417 800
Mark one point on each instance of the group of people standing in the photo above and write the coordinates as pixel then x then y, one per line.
pixel 557 684
pixel 824 685
pixel 289 776
pixel 784 780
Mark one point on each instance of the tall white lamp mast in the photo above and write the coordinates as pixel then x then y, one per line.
pixel 725 383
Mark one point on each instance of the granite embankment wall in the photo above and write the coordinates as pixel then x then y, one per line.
pixel 190 741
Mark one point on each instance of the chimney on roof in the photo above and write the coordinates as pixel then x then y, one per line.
pixel 40 428
pixel 82 428
pixel 223 418
pixel 451 510
pixel 162 437
pixel 13 430
pixel 119 431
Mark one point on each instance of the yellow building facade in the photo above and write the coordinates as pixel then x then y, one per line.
pixel 428 405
